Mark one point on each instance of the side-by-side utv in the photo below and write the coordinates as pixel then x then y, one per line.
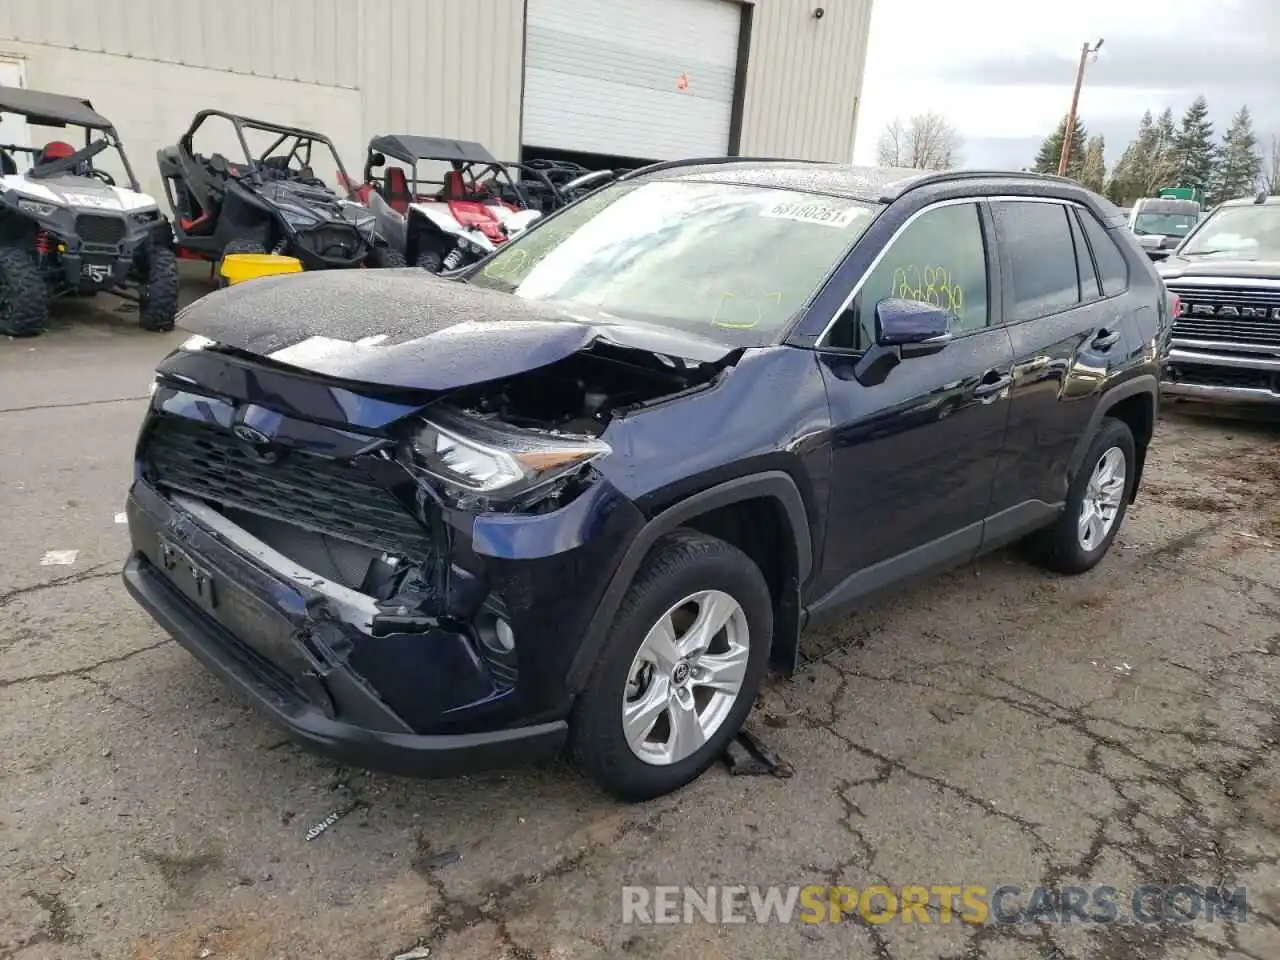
pixel 268 200
pixel 68 229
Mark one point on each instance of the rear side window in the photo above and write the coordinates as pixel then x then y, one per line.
pixel 1042 257
pixel 1090 288
pixel 1112 267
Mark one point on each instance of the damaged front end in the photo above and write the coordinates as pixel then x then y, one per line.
pixel 401 576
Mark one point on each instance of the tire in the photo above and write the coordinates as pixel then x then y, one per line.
pixel 431 257
pixel 386 258
pixel 24 300
pixel 234 247
pixel 1062 547
pixel 680 566
pixel 158 303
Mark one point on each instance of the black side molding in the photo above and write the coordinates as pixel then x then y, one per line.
pixel 774 484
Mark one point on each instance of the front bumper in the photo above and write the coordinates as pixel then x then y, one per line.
pixel 1199 374
pixel 261 639
pixel 388 751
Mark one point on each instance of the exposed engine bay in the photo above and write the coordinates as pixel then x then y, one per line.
pixel 583 392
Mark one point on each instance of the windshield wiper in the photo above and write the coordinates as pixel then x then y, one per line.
pixel 1206 253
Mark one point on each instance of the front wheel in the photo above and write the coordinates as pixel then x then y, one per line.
pixel 158 295
pixel 679 671
pixel 1096 504
pixel 24 300
pixel 430 256
pixel 386 258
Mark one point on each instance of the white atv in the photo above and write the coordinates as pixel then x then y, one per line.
pixel 67 229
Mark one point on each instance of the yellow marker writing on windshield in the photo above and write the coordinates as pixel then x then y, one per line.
pixel 756 302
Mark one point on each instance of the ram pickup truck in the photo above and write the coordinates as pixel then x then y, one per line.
pixel 1226 278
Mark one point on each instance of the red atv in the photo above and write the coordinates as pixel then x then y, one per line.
pixel 445 203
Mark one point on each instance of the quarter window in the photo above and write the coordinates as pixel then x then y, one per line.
pixel 1090 289
pixel 939 259
pixel 1041 256
pixel 1113 269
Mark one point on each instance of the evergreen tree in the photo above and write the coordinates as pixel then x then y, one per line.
pixel 1051 150
pixel 1194 146
pixel 1239 162
pixel 1093 172
pixel 1148 163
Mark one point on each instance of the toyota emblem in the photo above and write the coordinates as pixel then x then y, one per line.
pixel 251 436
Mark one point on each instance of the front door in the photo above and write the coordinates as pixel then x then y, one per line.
pixel 914 456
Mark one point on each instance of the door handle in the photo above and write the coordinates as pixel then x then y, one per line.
pixel 989 388
pixel 1105 339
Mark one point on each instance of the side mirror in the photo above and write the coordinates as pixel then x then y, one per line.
pixel 913 328
pixel 377 159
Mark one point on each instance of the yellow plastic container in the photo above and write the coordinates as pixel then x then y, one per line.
pixel 237 267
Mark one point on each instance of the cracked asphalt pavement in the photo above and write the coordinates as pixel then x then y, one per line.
pixel 996 726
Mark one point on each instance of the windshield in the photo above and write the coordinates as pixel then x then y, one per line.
pixel 1246 232
pixel 735 263
pixel 1164 224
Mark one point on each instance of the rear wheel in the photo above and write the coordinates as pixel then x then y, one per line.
pixel 234 247
pixel 1096 504
pixel 679 671
pixel 158 295
pixel 24 300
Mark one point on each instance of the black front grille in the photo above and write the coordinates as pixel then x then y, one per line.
pixel 335 242
pixel 1211 375
pixel 99 230
pixel 1244 315
pixel 318 494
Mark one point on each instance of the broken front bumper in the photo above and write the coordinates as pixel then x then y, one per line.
pixel 278 638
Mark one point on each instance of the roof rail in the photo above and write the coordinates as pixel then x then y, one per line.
pixel 709 161
pixel 943 176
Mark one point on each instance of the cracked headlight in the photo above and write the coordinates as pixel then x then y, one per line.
pixel 37 209
pixel 489 459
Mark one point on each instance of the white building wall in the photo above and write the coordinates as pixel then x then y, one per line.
pixel 356 68
pixel 804 78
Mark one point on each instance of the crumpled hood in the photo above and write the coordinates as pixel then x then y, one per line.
pixel 1176 268
pixel 411 329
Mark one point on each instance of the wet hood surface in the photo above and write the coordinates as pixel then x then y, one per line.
pixel 410 329
pixel 1176 268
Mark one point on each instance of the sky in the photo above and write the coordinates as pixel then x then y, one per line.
pixel 1002 70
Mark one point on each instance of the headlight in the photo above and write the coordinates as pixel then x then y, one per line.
pixel 491 460
pixel 37 208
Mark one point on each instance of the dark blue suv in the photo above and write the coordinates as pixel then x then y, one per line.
pixel 577 497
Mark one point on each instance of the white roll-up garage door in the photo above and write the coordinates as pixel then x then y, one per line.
pixel 651 79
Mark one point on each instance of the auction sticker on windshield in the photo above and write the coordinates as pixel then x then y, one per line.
pixel 814 211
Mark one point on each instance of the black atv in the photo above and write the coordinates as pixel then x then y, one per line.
pixel 67 229
pixel 271 201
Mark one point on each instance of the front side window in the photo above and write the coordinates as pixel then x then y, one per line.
pixel 731 262
pixel 939 258
pixel 1241 233
pixel 1036 238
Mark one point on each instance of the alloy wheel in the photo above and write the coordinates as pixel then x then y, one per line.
pixel 1102 498
pixel 686 677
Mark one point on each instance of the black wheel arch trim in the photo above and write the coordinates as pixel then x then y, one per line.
pixel 1142 383
pixel 774 484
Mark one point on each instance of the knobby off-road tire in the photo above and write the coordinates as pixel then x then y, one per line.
pixel 386 258
pixel 603 730
pixel 234 247
pixel 158 295
pixel 1065 547
pixel 430 257
pixel 24 300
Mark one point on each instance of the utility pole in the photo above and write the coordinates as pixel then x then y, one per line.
pixel 1070 130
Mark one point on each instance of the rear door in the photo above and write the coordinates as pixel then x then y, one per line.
pixel 1068 329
